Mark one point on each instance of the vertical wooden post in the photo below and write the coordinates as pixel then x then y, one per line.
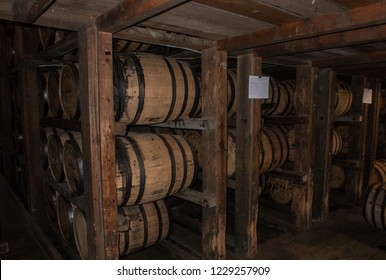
pixel 371 136
pixel 248 126
pixel 356 142
pixel 7 155
pixel 325 101
pixel 215 145
pixel 301 207
pixel 96 87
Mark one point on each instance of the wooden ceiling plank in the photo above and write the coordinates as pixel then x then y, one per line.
pixel 159 37
pixel 252 9
pixel 335 40
pixel 29 11
pixel 129 13
pixel 360 59
pixel 352 19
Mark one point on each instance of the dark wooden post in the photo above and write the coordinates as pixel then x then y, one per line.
pixel 371 136
pixel 301 207
pixel 214 107
pixel 248 126
pixel 324 101
pixel 96 87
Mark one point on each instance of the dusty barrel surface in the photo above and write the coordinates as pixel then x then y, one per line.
pixel 151 166
pixel 338 177
pixel 73 163
pixel 374 205
pixel 378 174
pixel 65 215
pixel 69 91
pixel 56 143
pixel 337 142
pixel 343 98
pixel 130 46
pixel 153 89
pixel 144 225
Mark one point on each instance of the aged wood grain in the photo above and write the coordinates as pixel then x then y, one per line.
pixel 29 11
pixel 248 126
pixel 214 106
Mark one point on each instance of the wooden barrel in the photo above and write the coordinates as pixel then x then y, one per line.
pixel 150 223
pixel 73 164
pixel 338 177
pixel 79 225
pixel 274 149
pixel 54 103
pixel 64 216
pixel 336 143
pixel 146 225
pixel 69 91
pixel 378 174
pixel 285 98
pixel 281 190
pixel 343 98
pixel 374 205
pixel 55 153
pixel 344 132
pixel 151 166
pixel 45 133
pixel 50 198
pixel 195 139
pixel 232 80
pixel 153 89
pixel 130 46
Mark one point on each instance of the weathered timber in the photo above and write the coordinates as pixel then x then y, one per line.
pixel 98 142
pixel 129 13
pixel 321 25
pixel 214 175
pixel 301 207
pixel 325 101
pixel 29 11
pixel 248 128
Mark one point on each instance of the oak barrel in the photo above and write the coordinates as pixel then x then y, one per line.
pixel 130 46
pixel 152 166
pixel 55 153
pixel 338 177
pixel 152 89
pixel 374 205
pixel 343 98
pixel 64 215
pixel 337 142
pixel 69 91
pixel 143 225
pixel 54 102
pixel 73 163
pixel 280 189
pixel 378 174
pixel 45 133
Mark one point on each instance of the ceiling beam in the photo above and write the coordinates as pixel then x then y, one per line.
pixel 158 37
pixel 131 12
pixel 348 61
pixel 351 19
pixel 325 42
pixel 29 11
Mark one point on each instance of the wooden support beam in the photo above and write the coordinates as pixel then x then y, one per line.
pixel 357 60
pixel 323 42
pixel 321 25
pixel 29 11
pixel 214 174
pixel 356 143
pixel 97 123
pixel 248 128
pixel 325 102
pixel 301 207
pixel 159 37
pixel 371 130
pixel 30 122
pixel 129 13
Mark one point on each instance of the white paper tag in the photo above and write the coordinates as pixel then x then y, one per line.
pixel 368 96
pixel 258 87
